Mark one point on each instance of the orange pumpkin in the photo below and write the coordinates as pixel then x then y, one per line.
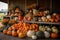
pixel 9 32
pixel 5 31
pixel 54 35
pixel 14 33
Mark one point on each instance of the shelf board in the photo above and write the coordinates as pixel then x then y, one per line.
pixel 55 23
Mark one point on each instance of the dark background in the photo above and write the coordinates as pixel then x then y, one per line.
pixel 53 5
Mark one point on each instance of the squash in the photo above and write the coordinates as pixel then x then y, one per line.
pixel 30 33
pixel 47 34
pixel 40 34
pixel 48 29
pixel 42 28
pixel 54 29
pixel 21 35
pixel 14 33
pixel 34 37
pixel 54 35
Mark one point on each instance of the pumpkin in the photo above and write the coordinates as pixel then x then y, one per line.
pixel 30 33
pixel 54 35
pixel 14 33
pixel 9 32
pixel 18 31
pixel 47 34
pixel 5 31
pixel 43 18
pixel 40 34
pixel 47 28
pixel 21 35
pixel 34 37
pixel 56 20
pixel 9 28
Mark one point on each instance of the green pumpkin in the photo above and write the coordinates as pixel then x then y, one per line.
pixel 40 34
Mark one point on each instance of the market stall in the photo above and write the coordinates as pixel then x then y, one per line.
pixel 30 20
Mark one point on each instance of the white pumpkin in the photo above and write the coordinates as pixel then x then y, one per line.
pixel 47 34
pixel 54 14
pixel 48 16
pixel 30 33
pixel 34 37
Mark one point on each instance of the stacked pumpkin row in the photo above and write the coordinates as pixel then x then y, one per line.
pixel 47 18
pixel 20 29
pixel 23 30
pixel 50 18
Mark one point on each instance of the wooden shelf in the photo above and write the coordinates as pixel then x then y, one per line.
pixel 55 23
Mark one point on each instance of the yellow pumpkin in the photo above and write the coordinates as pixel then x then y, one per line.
pixel 21 35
